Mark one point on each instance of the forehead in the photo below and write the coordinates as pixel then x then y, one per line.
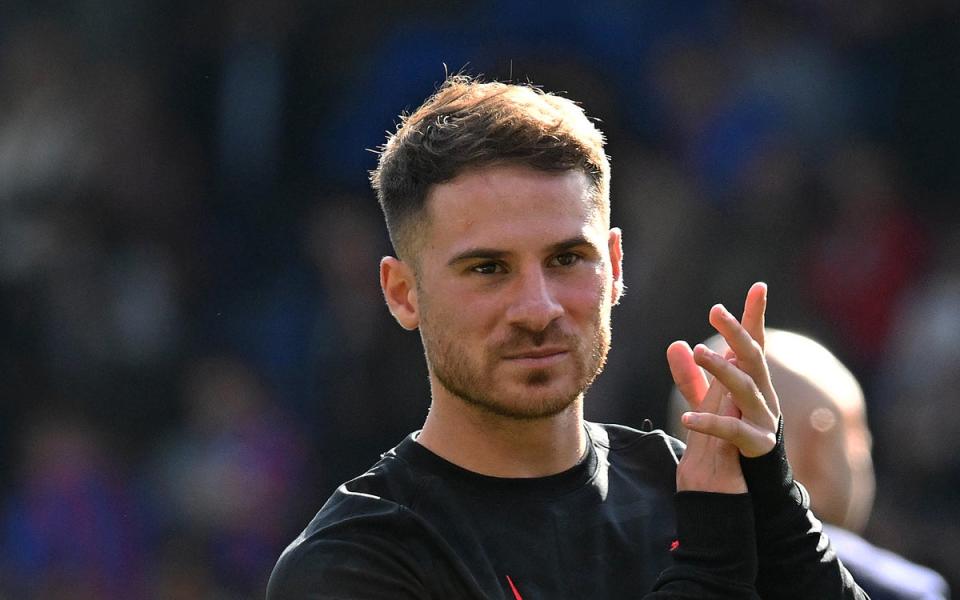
pixel 511 205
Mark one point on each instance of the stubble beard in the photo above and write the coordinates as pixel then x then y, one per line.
pixel 473 380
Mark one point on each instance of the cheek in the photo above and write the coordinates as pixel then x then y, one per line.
pixel 481 319
pixel 465 316
pixel 589 296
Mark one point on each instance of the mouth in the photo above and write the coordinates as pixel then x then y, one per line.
pixel 538 358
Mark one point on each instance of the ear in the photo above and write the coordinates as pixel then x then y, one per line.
pixel 400 291
pixel 615 245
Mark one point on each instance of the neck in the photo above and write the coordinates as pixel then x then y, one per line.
pixel 477 440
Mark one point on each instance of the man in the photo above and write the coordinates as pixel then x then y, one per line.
pixel 496 198
pixel 829 444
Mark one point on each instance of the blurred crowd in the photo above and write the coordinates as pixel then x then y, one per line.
pixel 193 346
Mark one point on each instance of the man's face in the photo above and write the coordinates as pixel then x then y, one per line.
pixel 515 280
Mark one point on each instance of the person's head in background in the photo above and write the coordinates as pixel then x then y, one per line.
pixel 825 426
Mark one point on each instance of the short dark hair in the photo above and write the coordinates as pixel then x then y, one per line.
pixel 468 123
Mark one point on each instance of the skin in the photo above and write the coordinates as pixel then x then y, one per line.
pixel 511 287
pixel 515 277
pixel 736 412
pixel 825 426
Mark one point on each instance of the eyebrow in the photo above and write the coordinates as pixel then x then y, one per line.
pixel 495 254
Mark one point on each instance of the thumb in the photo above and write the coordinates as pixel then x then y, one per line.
pixel 687 374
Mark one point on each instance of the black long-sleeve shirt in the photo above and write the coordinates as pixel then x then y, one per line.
pixel 613 526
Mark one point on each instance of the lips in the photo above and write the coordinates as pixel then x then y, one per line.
pixel 539 358
pixel 536 353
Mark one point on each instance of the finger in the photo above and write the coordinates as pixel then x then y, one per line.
pixel 713 399
pixel 709 403
pixel 744 391
pixel 689 378
pixel 748 351
pixel 754 321
pixel 754 312
pixel 750 441
pixel 699 442
pixel 728 408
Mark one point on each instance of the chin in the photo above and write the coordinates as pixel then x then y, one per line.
pixel 531 395
pixel 531 402
pixel 531 411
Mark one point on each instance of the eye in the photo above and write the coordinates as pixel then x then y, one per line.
pixel 567 259
pixel 488 268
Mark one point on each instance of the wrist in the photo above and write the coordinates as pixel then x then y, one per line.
pixel 770 479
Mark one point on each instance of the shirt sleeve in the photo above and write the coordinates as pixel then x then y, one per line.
pixel 796 559
pixel 715 552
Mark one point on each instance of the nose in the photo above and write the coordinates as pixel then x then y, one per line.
pixel 534 305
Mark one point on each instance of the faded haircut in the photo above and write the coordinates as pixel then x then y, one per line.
pixel 469 123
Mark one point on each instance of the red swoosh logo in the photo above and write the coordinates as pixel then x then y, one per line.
pixel 516 594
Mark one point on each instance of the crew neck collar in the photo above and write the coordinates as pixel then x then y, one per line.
pixel 419 457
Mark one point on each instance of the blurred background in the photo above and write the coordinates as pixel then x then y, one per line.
pixel 193 347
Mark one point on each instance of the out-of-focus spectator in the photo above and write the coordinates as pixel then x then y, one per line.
pixel 664 220
pixel 183 569
pixel 71 527
pixel 864 255
pixel 916 401
pixel 365 388
pixel 98 187
pixel 229 477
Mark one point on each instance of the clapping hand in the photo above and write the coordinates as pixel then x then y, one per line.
pixel 736 412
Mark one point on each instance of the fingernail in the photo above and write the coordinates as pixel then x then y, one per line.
pixel 690 418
